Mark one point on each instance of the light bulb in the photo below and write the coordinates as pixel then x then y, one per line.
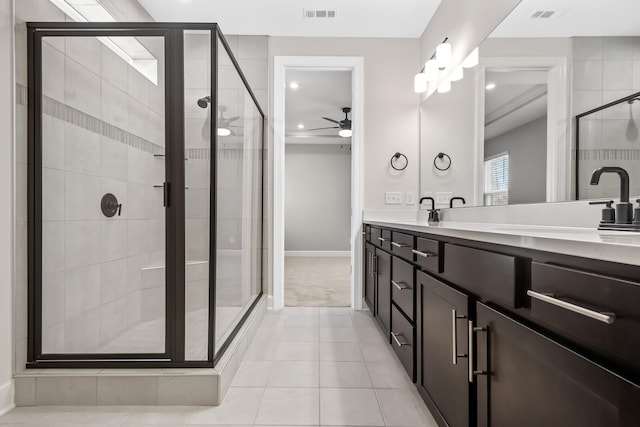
pixel 444 87
pixel 431 70
pixel 294 85
pixel 490 86
pixel 457 74
pixel 420 83
pixel 224 132
pixel 443 55
pixel 471 60
pixel 345 133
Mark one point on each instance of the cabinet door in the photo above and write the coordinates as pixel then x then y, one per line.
pixel 443 363
pixel 383 294
pixel 370 276
pixel 533 381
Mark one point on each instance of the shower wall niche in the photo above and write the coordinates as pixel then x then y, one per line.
pixel 145 195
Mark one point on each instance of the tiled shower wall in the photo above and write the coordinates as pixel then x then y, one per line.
pixel 102 124
pixel 606 69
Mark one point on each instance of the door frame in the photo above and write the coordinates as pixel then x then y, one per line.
pixel 281 64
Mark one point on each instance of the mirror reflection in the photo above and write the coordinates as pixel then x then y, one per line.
pixel 528 138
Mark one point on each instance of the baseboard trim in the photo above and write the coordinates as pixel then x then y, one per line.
pixel 6 397
pixel 326 254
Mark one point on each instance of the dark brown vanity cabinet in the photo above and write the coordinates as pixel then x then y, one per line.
pixel 443 349
pixel 370 276
pixel 529 380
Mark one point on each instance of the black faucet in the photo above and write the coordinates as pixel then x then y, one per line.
pixel 624 209
pixel 433 212
pixel 456 198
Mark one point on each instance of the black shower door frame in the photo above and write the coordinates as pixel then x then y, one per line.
pixel 174 354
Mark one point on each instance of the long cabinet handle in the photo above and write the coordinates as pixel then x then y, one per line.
pixel 603 317
pixel 472 372
pixel 423 254
pixel 399 245
pixel 375 265
pixel 400 285
pixel 396 338
pixel 454 336
pixel 382 239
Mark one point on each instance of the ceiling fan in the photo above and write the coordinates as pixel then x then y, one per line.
pixel 343 125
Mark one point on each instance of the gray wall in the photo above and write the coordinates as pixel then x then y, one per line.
pixel 318 197
pixel 527 147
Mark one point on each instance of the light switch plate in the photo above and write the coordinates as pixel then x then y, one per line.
pixel 443 198
pixel 410 199
pixel 393 198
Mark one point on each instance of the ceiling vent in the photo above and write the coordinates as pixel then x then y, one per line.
pixel 543 14
pixel 312 14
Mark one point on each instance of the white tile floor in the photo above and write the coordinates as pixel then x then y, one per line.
pixel 306 366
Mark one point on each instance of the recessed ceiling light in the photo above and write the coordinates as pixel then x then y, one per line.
pixel 294 85
pixel 301 126
pixel 490 86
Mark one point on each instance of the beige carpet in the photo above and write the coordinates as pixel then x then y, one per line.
pixel 317 282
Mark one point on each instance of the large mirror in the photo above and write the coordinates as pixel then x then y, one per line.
pixel 556 95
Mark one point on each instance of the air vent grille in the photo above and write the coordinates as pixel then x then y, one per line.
pixel 313 14
pixel 542 14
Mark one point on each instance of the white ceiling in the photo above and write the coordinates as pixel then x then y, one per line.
pixel 575 18
pixel 319 94
pixel 354 18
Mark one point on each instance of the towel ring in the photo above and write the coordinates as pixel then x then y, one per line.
pixel 441 157
pixel 395 159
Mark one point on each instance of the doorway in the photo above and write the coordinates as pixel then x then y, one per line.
pixel 317 188
pixel 282 67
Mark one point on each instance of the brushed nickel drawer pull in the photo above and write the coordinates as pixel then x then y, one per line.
pixel 423 254
pixel 400 285
pixel 397 337
pixel 382 239
pixel 454 336
pixel 604 317
pixel 399 245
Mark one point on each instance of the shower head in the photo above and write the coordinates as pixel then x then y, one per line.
pixel 204 102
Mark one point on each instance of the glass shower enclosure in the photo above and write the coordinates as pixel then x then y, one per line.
pixel 145 195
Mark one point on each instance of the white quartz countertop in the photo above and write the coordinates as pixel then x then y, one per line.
pixel 617 246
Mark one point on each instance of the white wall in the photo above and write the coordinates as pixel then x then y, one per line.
pixel 527 147
pixel 318 197
pixel 6 200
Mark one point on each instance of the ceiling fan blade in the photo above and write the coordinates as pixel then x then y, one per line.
pixel 331 120
pixel 332 127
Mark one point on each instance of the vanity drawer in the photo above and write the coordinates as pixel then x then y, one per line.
pixel 487 274
pixel 402 245
pixel 429 254
pixel 402 341
pixel 403 287
pixel 381 238
pixel 599 312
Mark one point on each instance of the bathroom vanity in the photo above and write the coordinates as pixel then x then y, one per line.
pixel 511 325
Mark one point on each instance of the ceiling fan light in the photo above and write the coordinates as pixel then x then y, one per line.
pixel 345 133
pixel 224 132
pixel 443 55
pixel 420 83
pixel 431 70
pixel 444 87
pixel 457 74
pixel 472 59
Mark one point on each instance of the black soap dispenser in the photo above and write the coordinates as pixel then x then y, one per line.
pixel 636 214
pixel 608 213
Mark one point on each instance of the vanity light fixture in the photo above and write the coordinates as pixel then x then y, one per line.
pixel 127 48
pixel 431 70
pixel 472 59
pixel 490 86
pixel 420 83
pixel 457 74
pixel 224 132
pixel 443 54
pixel 444 87
pixel 345 133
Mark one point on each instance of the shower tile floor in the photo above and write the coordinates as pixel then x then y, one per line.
pixel 306 366
pixel 150 336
